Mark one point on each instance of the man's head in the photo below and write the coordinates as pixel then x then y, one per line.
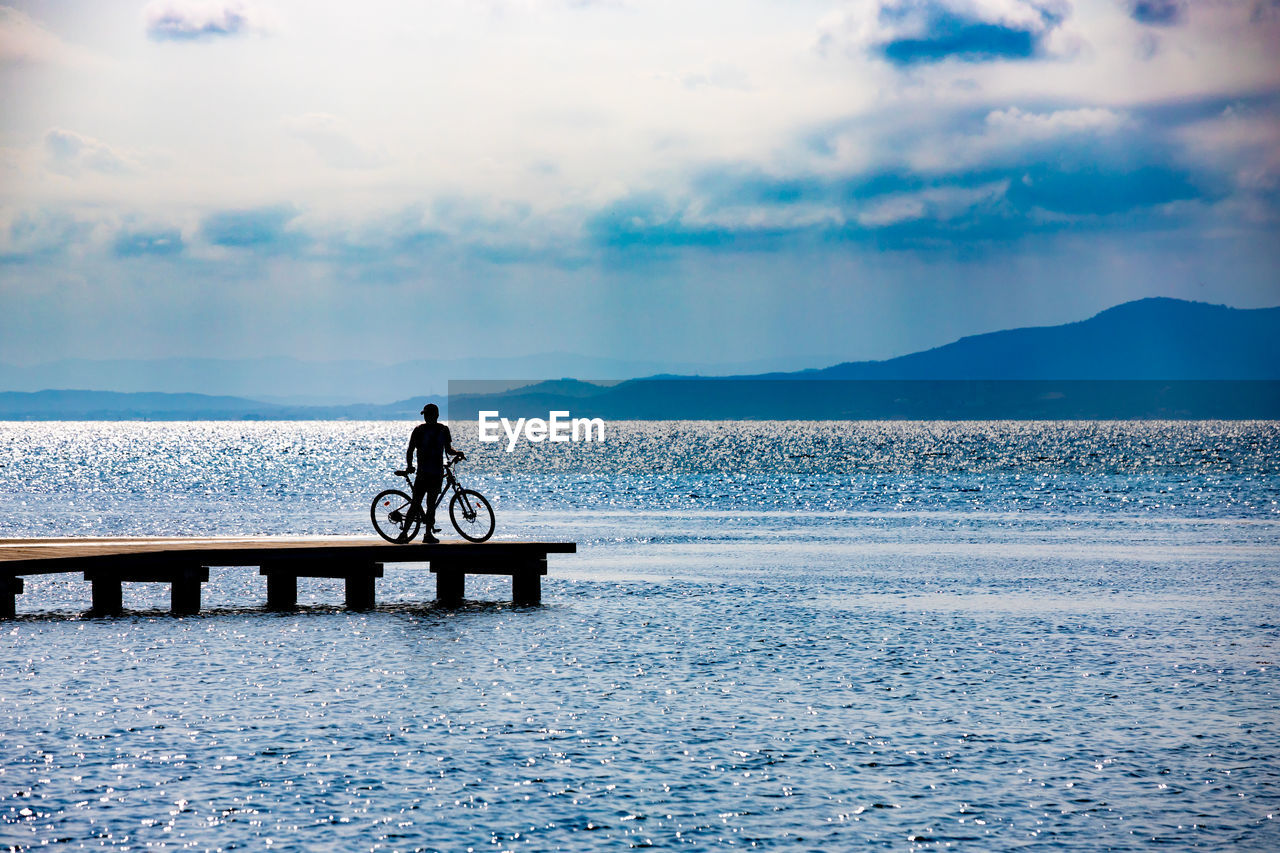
pixel 431 413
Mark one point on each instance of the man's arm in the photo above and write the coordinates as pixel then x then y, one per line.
pixel 448 445
pixel 408 454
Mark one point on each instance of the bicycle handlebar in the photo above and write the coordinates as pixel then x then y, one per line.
pixel 405 472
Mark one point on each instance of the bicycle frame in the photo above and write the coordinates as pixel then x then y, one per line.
pixel 450 484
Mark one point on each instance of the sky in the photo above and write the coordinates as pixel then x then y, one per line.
pixel 694 181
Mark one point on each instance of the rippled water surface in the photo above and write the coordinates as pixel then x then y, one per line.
pixel 979 636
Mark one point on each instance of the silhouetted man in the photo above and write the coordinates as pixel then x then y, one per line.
pixel 430 440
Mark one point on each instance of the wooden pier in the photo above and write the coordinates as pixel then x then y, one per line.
pixel 184 564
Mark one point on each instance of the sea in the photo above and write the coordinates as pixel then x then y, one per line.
pixel 974 636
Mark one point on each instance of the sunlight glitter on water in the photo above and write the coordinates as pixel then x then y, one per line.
pixel 785 662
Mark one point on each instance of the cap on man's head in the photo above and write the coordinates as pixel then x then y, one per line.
pixel 431 408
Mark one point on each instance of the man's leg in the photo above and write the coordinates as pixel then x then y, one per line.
pixel 432 486
pixel 420 485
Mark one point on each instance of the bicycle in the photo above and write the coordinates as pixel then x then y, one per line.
pixel 470 512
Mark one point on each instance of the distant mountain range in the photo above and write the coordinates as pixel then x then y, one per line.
pixel 293 382
pixel 1150 358
pixel 886 399
pixel 114 405
pixel 1147 339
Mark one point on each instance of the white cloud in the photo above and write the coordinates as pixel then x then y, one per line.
pixel 940 203
pixel 1242 142
pixel 25 42
pixel 69 153
pixel 869 26
pixel 333 139
pixel 717 76
pixel 766 218
pixel 503 7
pixel 1004 136
pixel 194 20
pixel 41 232
pixel 1016 124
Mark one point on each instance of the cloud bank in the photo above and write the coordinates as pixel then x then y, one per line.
pixel 70 154
pixel 334 141
pixel 191 20
pixel 24 42
pixel 574 173
pixel 919 32
pixel 264 228
pixel 1161 13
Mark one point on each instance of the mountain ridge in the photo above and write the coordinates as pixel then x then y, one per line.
pixel 1158 339
pixel 60 404
pixel 1154 338
pixel 292 381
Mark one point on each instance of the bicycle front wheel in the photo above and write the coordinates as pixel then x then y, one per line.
pixel 471 515
pixel 390 514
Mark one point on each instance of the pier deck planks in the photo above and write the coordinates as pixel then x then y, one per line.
pixel 184 563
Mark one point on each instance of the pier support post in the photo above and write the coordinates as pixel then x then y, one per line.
pixel 282 581
pixel 451 572
pixel 450 585
pixel 526 586
pixel 184 587
pixel 360 588
pixel 282 588
pixel 184 591
pixel 10 588
pixel 108 595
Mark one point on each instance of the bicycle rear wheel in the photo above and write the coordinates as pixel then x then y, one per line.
pixel 390 514
pixel 471 515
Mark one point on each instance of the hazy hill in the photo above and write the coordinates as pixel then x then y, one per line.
pixel 294 382
pixel 113 406
pixel 915 399
pixel 1158 357
pixel 109 405
pixel 1147 339
pixel 1153 358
